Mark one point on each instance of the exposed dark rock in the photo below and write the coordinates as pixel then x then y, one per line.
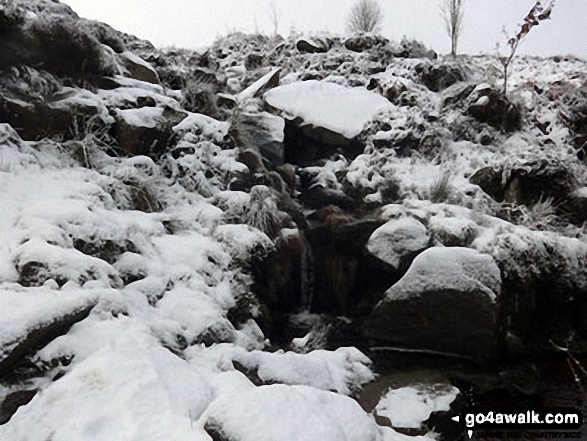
pixel 220 332
pixel 534 181
pixel 304 145
pixel 361 43
pixel 317 197
pixel 139 69
pixel 147 139
pixel 12 402
pixel 35 274
pixel 439 76
pixel 266 133
pixel 577 206
pixel 107 250
pixel 38 118
pixel 494 108
pixel 55 42
pixel 254 61
pixel 43 334
pixel 312 45
pixel 490 182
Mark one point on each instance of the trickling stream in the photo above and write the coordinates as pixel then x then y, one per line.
pixel 308 278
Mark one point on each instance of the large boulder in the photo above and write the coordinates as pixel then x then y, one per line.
pixel 56 116
pixel 446 302
pixel 362 42
pixel 57 42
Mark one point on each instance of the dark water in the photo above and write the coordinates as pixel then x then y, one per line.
pixel 527 384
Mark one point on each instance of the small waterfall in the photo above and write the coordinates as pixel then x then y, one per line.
pixel 308 270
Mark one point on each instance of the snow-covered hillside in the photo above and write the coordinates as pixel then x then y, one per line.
pixel 206 245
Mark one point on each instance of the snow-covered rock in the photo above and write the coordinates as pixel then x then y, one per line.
pixel 138 68
pixel 327 109
pixel 284 412
pixel 446 302
pixel 398 241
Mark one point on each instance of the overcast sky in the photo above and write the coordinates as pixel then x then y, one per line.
pixel 196 23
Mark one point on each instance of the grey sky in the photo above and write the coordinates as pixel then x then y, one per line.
pixel 195 23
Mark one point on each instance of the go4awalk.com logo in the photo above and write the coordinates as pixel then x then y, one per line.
pixel 548 419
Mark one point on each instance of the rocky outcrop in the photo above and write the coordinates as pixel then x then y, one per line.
pixel 446 302
pixel 528 183
pixel 494 108
pixel 55 116
pixel 264 132
pixel 439 76
pixel 146 131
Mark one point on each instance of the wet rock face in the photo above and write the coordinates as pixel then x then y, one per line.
pixel 348 279
pixel 303 146
pixel 446 302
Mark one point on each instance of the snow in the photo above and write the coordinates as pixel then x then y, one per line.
pixel 258 85
pixel 130 389
pixel 216 130
pixel 342 110
pixel 144 117
pixel 284 412
pixel 344 370
pixel 397 240
pixel 408 407
pixel 24 310
pixel 138 370
pixel 455 268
